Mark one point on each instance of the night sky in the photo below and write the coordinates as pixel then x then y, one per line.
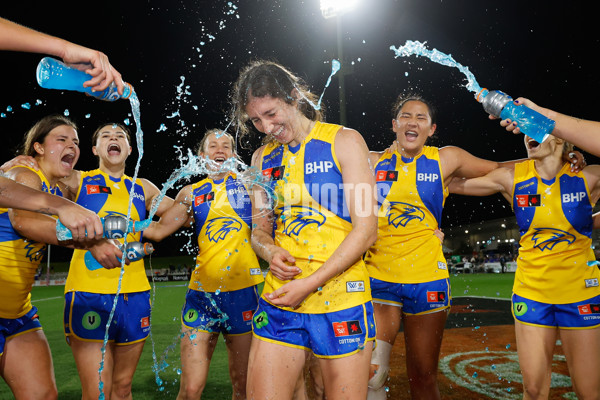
pixel 544 51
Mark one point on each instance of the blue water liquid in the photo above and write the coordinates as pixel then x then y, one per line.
pixel 54 74
pixel 135 107
pixel 530 122
pixel 418 49
pixel 335 67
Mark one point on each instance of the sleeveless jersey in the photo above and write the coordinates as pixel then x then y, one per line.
pixel 19 261
pixel 555 220
pixel 106 196
pixel 411 196
pixel 312 218
pixel 223 221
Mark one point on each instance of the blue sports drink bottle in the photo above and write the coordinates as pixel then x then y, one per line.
pixel 54 74
pixel 530 122
pixel 114 227
pixel 133 252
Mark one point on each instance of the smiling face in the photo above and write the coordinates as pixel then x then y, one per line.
pixel 274 117
pixel 112 146
pixel 413 126
pixel 218 148
pixel 59 152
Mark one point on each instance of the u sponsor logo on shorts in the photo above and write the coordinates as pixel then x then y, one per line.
pixel 90 320
pixel 191 315
pixel 261 320
pixel 520 308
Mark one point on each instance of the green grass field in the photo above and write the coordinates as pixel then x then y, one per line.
pixel 164 346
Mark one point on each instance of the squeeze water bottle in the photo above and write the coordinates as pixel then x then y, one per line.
pixel 133 252
pixel 114 227
pixel 54 74
pixel 530 122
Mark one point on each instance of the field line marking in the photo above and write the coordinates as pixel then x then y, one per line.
pixel 482 297
pixel 46 299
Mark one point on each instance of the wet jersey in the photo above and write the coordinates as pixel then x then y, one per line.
pixel 19 261
pixel 106 196
pixel 312 218
pixel 555 220
pixel 223 221
pixel 411 196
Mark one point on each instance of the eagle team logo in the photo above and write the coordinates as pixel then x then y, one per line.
pixel 547 238
pixel 218 228
pixel 35 251
pixel 296 218
pixel 399 213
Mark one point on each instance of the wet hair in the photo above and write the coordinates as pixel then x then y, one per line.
pixel 567 147
pixel 201 147
pixel 266 78
pixel 96 134
pixel 38 132
pixel 404 98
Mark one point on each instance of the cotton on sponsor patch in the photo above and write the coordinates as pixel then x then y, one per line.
pixel 346 328
pixel 436 297
pixel 586 309
pixel 247 315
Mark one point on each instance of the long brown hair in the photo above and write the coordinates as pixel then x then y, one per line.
pixel 266 78
pixel 38 132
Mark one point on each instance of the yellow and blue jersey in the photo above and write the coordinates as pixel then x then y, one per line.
pixel 411 196
pixel 312 218
pixel 223 224
pixel 19 261
pixel 106 196
pixel 556 263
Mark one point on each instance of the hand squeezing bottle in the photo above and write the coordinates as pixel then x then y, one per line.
pixel 530 122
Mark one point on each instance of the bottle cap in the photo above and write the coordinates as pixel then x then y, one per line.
pixel 481 94
pixel 148 248
pixel 127 90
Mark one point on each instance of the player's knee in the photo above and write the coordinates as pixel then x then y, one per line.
pixel 122 389
pixel 380 365
pixel 50 394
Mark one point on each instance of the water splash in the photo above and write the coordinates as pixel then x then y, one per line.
pixel 193 165
pixel 135 107
pixel 419 49
pixel 335 67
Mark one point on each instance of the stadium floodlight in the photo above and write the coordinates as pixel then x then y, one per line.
pixel 334 8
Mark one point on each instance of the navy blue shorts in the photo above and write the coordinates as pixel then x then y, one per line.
pixel 86 316
pixel 328 335
pixel 580 315
pixel 17 326
pixel 229 313
pixel 414 298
